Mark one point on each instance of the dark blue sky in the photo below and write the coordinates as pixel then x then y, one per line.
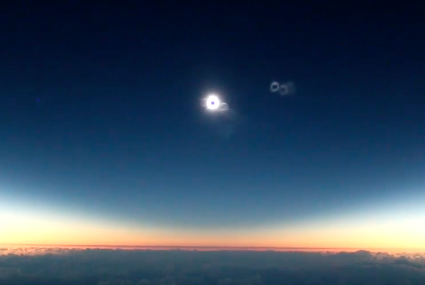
pixel 101 115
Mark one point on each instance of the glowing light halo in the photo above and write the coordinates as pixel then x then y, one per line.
pixel 213 102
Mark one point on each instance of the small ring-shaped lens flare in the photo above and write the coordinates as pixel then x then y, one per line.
pixel 274 87
pixel 284 90
pixel 287 89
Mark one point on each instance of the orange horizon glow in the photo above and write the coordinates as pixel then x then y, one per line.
pixel 210 248
pixel 400 229
pixel 393 235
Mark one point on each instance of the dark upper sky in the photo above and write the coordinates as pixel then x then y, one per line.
pixel 101 114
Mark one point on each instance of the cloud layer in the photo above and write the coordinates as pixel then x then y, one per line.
pixel 33 265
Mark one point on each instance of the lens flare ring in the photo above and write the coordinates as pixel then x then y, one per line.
pixel 284 89
pixel 274 87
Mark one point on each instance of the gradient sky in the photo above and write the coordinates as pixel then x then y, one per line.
pixel 104 139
